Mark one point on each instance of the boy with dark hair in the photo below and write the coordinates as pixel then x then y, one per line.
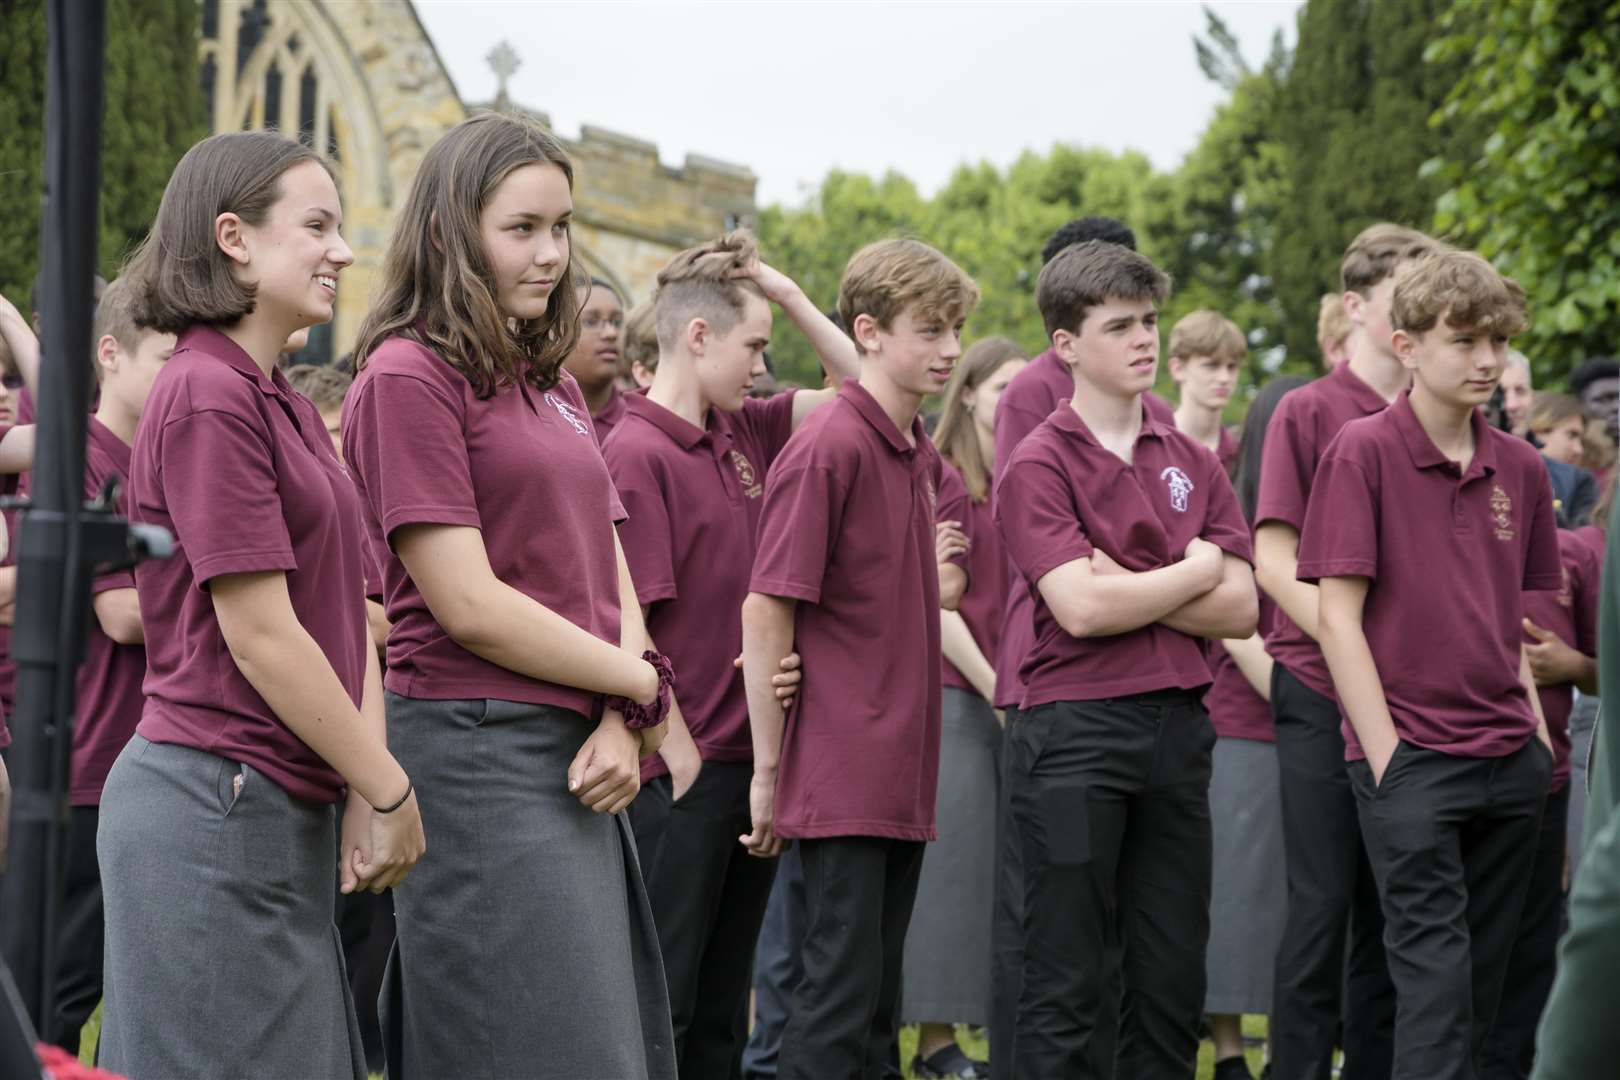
pixel 1206 354
pixel 1331 894
pixel 1597 383
pixel 1129 536
pixel 846 573
pixel 691 460
pixel 1426 525
pixel 1029 399
pixel 127 359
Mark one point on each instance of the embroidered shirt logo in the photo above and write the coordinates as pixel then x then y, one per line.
pixel 1502 513
pixel 566 411
pixel 746 475
pixel 1180 487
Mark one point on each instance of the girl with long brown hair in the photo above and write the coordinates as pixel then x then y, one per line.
pixel 520 690
pixel 947 961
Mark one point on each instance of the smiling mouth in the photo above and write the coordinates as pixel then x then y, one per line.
pixel 327 282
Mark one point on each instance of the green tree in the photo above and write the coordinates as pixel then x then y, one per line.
pixel 154 113
pixel 1352 127
pixel 1541 197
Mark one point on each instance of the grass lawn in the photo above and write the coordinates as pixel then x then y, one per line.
pixel 1254 1026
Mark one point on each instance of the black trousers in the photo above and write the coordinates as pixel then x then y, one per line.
pixel 81 934
pixel 1006 927
pixel 708 899
pixel 858 892
pixel 1332 901
pixel 1110 804
pixel 1452 841
pixel 1510 1048
pixel 778 967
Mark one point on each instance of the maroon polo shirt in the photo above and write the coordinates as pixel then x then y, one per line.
pixel 1448 554
pixel 1570 612
pixel 1028 400
pixel 611 415
pixel 241 470
pixel 1228 451
pixel 109 679
pixel 522 466
pixel 1304 424
pixel 9 485
pixel 1063 495
pixel 693 496
pixel 1595 538
pixel 1236 711
pixel 985 600
pixel 847 530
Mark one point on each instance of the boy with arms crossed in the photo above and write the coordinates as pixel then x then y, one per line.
pixel 690 460
pixel 1424 527
pixel 1130 538
pixel 1331 894
pixel 846 573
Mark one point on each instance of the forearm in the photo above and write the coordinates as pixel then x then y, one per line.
pixel 1251 658
pixel 17 450
pixel 767 624
pixel 956 642
pixel 1586 676
pixel 1356 683
pixel 632 624
pixel 513 631
pixel 953 585
pixel 1119 603
pixel 832 345
pixel 377 625
pixel 317 709
pixel 1230 610
pixel 1276 570
pixel 1528 679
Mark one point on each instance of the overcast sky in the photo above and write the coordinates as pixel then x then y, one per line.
pixel 793 89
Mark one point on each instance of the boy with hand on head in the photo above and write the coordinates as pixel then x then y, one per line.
pixel 846 574
pixel 1331 894
pixel 1129 536
pixel 1206 353
pixel 1426 525
pixel 690 461
pixel 127 360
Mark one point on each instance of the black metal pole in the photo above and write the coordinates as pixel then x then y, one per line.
pixel 53 578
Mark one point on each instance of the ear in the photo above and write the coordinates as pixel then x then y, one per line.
pixel 865 333
pixel 229 234
pixel 1355 307
pixel 1067 346
pixel 107 353
pixel 697 335
pixel 1405 345
pixel 1178 368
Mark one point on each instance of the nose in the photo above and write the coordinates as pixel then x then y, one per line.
pixel 548 252
pixel 339 254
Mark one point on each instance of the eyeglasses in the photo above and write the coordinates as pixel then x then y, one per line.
pixel 596 322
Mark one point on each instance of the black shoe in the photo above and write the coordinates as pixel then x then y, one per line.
pixel 1233 1068
pixel 949 1063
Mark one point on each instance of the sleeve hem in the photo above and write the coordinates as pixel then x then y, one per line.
pixel 1052 562
pixel 1314 570
pixel 246 562
pixel 401 516
pixel 787 590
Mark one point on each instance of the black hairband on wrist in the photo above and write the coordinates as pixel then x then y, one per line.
pixel 636 715
pixel 409 787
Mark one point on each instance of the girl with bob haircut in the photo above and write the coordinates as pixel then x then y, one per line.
pixel 520 690
pixel 263 696
pixel 947 960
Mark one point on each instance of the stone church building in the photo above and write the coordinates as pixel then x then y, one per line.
pixel 362 83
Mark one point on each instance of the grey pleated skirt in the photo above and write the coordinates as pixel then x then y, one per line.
pixel 946 971
pixel 1248 893
pixel 222 959
pixel 525 947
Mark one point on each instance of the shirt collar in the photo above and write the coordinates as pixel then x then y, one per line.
pixel 114 447
pixel 1066 419
pixel 865 404
pixel 1426 455
pixel 213 342
pixel 685 434
pixel 1364 396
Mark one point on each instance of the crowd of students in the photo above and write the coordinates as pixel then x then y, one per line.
pixel 651 719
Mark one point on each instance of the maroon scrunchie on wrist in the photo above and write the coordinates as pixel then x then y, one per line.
pixel 636 715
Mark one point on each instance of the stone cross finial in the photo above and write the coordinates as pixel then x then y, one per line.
pixel 504 61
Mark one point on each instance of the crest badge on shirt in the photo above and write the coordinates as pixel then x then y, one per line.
pixel 746 476
pixel 566 411
pixel 1502 512
pixel 1180 486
